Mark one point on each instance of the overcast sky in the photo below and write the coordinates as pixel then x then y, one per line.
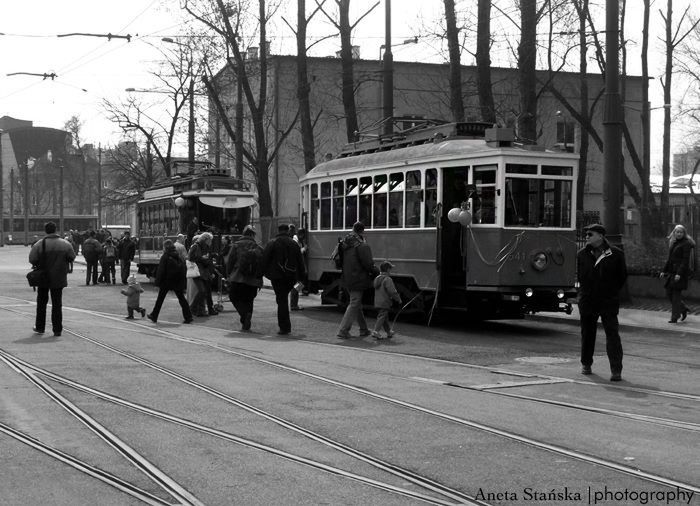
pixel 90 69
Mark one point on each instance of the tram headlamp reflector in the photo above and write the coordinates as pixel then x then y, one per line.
pixel 529 292
pixel 179 202
pixel 560 294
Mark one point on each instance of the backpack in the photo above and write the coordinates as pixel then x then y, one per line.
pixel 337 255
pixel 250 260
pixel 110 252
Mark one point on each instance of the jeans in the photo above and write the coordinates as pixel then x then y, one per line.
pixel 282 287
pixel 42 298
pixel 677 304
pixel 203 294
pixel 242 297
pixel 108 269
pixel 382 320
pixel 125 268
pixel 186 313
pixel 354 312
pixel 91 272
pixel 613 344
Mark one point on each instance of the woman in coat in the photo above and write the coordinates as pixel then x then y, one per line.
pixel 677 271
pixel 171 275
pixel 200 254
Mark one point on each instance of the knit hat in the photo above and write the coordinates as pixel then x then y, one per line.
pixel 131 280
pixel 385 266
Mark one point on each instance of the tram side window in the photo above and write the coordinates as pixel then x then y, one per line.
pixel 414 196
pixel 538 203
pixel 366 200
pixel 379 201
pixel 315 205
pixel 351 191
pixel 485 198
pixel 396 191
pixel 337 205
pixel 325 206
pixel 430 197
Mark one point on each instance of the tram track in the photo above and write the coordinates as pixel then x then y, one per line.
pixel 574 454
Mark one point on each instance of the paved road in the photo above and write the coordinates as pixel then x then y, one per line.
pixel 117 412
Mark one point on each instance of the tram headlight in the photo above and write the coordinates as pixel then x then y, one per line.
pixel 529 292
pixel 560 294
pixel 179 202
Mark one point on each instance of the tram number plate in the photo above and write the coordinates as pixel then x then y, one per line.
pixel 518 256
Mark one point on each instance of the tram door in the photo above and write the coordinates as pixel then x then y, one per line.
pixel 454 192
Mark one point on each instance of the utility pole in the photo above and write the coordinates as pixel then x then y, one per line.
pixel 60 197
pixel 612 181
pixel 99 185
pixel 388 73
pixel 190 136
pixel 26 201
pixel 239 122
pixel 12 203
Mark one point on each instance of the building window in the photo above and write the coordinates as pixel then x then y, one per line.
pixel 566 132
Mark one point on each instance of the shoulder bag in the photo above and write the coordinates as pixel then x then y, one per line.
pixel 38 276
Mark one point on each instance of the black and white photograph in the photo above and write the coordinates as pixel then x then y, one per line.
pixel 349 252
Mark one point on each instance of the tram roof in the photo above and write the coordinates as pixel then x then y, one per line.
pixel 444 150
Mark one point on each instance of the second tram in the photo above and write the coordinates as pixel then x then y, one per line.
pixel 221 204
pixel 471 220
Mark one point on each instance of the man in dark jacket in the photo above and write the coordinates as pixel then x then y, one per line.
pixel 54 255
pixel 171 275
pixel 601 274
pixel 283 265
pixel 245 274
pixel 127 250
pixel 358 272
pixel 92 251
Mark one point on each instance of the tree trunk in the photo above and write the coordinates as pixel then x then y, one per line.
pixel 348 77
pixel 456 103
pixel 527 121
pixel 666 84
pixel 585 140
pixel 483 62
pixel 303 90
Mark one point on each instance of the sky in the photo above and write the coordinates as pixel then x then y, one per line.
pixel 90 69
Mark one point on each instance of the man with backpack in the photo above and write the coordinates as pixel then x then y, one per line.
pixel 358 272
pixel 109 259
pixel 244 269
pixel 283 265
pixel 92 250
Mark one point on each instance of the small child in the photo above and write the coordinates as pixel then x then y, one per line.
pixel 384 293
pixel 133 297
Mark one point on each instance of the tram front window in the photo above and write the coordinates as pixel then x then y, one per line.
pixel 538 203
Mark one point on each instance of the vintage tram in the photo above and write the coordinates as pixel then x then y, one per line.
pixel 221 204
pixel 471 220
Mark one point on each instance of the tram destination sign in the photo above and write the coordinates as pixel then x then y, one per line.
pixel 158 192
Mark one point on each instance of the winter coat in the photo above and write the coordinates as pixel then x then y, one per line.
pixel 92 250
pixel 133 294
pixel 172 271
pixel 126 250
pixel 601 279
pixel 233 266
pixel 282 259
pixel 58 254
pixel 358 265
pixel 199 254
pixel 385 292
pixel 678 263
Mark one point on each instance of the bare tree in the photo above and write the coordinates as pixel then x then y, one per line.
pixel 217 16
pixel 527 59
pixel 483 62
pixel 457 106
pixel 345 29
pixel 674 36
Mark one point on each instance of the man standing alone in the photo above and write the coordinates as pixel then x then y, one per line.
pixel 92 250
pixel 127 250
pixel 601 274
pixel 358 272
pixel 54 255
